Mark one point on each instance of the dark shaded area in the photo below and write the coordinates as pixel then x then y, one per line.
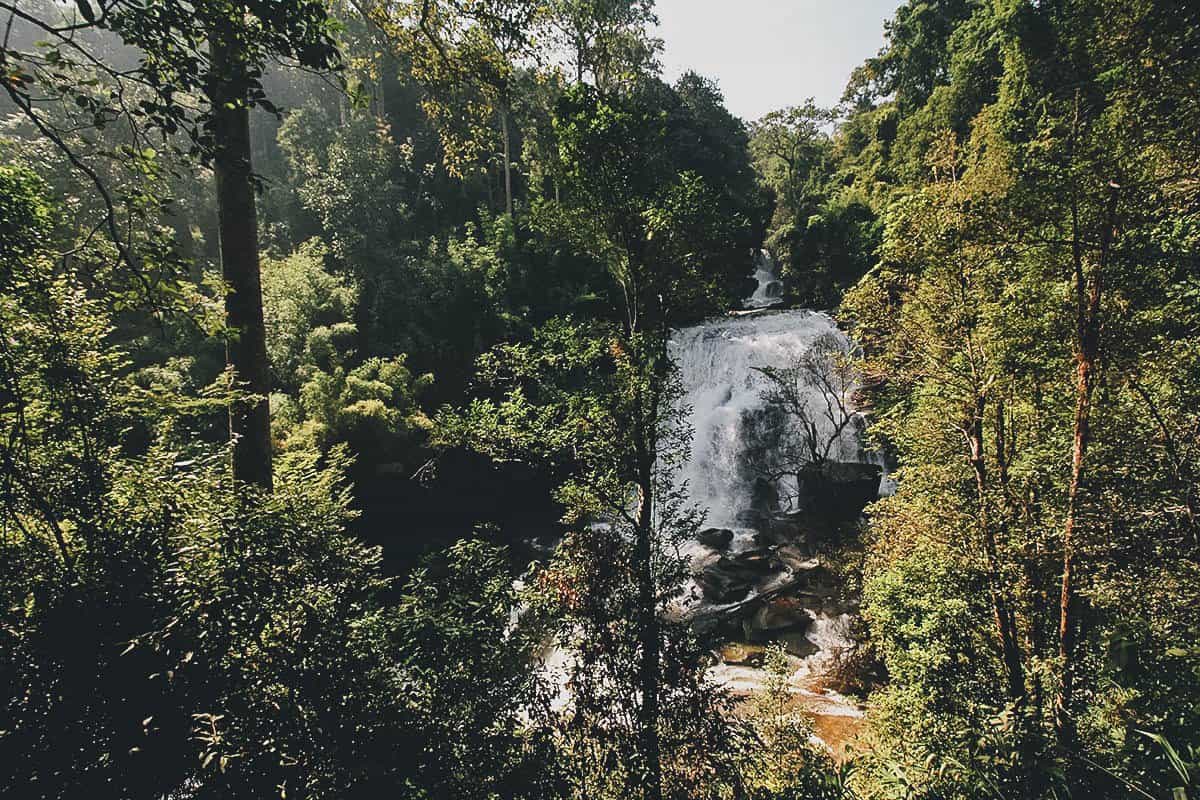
pixel 457 493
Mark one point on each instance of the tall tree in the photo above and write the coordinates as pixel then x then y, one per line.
pixel 606 41
pixel 466 55
pixel 241 37
pixel 246 348
pixel 217 50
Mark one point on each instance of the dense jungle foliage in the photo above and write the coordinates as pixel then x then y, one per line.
pixel 289 547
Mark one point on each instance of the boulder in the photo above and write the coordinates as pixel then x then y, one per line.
pixel 718 538
pixel 761 540
pixel 839 491
pixel 798 644
pixel 742 653
pixel 776 616
pixel 730 577
pixel 751 518
pixel 782 614
pixel 788 526
pixel 775 582
pixel 764 496
pixel 796 559
pixel 722 586
pixel 703 558
pixel 754 562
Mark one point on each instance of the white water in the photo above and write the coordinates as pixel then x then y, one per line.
pixel 723 392
pixel 770 289
pixel 723 395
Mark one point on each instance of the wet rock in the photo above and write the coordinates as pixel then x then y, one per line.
pixel 718 538
pixel 764 496
pixel 762 540
pixel 797 559
pixel 751 518
pixel 782 614
pixel 742 653
pixel 730 577
pixel 839 491
pixel 797 644
pixel 704 558
pixel 789 526
pixel 775 583
pixel 776 616
pixel 756 562
pixel 721 586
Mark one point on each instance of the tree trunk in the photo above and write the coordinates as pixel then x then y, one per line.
pixel 1088 292
pixel 504 131
pixel 1006 626
pixel 648 623
pixel 650 645
pixel 246 348
pixel 1064 724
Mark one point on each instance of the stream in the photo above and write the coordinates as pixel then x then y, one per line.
pixel 760 538
pixel 758 568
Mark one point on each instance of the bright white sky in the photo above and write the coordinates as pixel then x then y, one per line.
pixel 767 54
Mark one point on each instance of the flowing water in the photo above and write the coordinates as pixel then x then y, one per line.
pixel 769 291
pixel 720 363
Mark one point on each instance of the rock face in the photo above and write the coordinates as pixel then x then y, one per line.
pixel 718 538
pixel 776 616
pixel 839 490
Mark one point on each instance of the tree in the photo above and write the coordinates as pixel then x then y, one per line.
pixel 944 338
pixel 811 433
pixel 790 150
pixel 1043 243
pixel 577 401
pixel 785 762
pixel 606 39
pixel 150 602
pixel 915 58
pixel 240 37
pixel 613 150
pixel 466 54
pixel 222 58
pixel 823 232
pixel 461 652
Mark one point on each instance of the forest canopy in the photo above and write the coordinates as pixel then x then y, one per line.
pixel 347 448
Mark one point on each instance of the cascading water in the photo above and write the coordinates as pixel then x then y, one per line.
pixel 720 365
pixel 769 291
pixel 725 394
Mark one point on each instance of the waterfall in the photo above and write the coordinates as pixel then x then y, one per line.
pixel 769 291
pixel 734 426
pixel 782 593
pixel 720 365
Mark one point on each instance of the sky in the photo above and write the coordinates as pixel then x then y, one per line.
pixel 767 54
